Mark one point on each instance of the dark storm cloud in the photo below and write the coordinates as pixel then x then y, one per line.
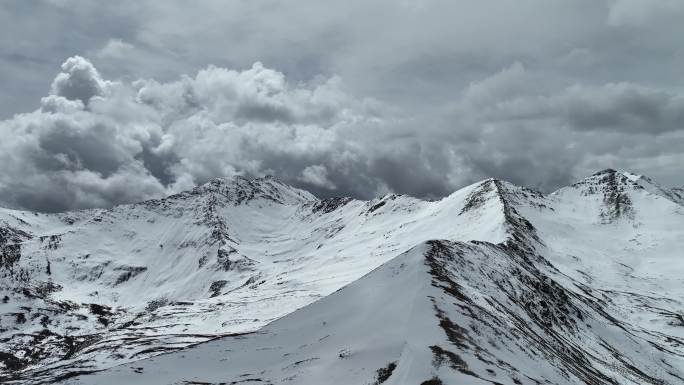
pixel 355 98
pixel 624 107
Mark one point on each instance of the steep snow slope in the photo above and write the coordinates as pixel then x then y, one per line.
pixel 91 289
pixel 622 231
pixel 618 239
pixel 443 312
pixel 583 285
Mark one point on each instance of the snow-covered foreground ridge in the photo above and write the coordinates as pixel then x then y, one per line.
pixel 492 284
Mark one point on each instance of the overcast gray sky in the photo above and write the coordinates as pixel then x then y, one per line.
pixel 111 102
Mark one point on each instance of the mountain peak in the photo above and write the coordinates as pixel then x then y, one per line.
pixel 608 176
pixel 613 188
pixel 605 172
pixel 616 183
pixel 240 189
pixel 504 197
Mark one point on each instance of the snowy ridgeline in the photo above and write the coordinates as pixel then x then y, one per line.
pixel 492 284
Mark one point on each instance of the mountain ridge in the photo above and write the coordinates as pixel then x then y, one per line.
pixel 174 272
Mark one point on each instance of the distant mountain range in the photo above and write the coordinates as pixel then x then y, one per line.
pixel 243 281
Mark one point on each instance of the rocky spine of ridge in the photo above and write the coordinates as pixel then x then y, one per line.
pixel 559 317
pixel 678 192
pixel 552 310
pixel 677 195
pixel 521 232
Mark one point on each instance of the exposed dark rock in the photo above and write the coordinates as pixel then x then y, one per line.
pixel 45 289
pixel 240 190
pixel 51 242
pixel 376 206
pixel 441 356
pixel 228 258
pixel 383 374
pixel 330 204
pixel 128 273
pixel 20 318
pixel 156 304
pixel 9 255
pixel 478 197
pixel 614 187
pixel 216 288
pixel 11 362
pixel 104 313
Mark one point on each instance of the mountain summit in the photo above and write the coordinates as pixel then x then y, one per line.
pixel 240 190
pixel 494 283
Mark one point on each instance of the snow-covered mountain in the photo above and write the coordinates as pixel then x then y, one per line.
pixel 493 284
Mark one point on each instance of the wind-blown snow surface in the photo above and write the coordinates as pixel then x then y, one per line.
pixel 492 284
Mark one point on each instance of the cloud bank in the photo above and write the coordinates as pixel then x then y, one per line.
pixel 96 142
